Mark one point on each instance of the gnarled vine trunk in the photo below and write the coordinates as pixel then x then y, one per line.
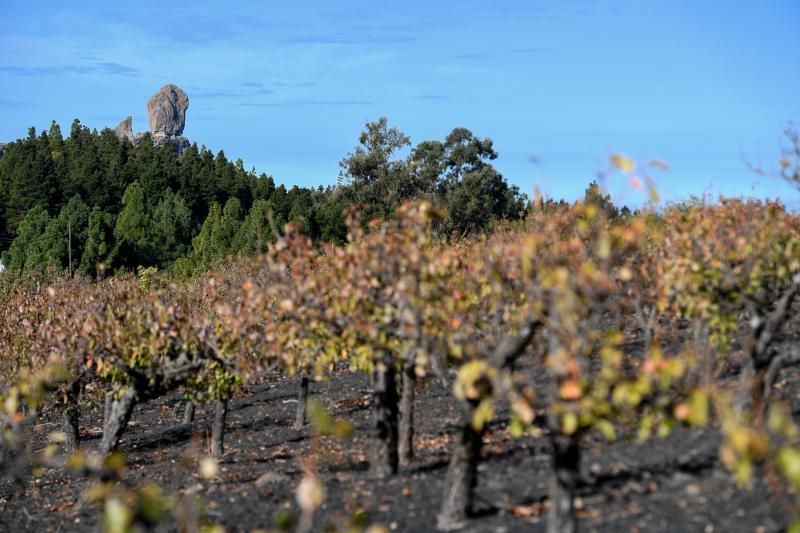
pixel 759 395
pixel 188 412
pixel 107 407
pixel 765 359
pixel 384 459
pixel 565 464
pixel 406 444
pixel 71 417
pixel 462 473
pixel 462 476
pixel 218 428
pixel 118 417
pixel 302 397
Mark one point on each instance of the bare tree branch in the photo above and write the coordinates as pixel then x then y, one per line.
pixel 765 329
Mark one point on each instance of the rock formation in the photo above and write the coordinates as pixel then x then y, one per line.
pixel 124 129
pixel 2 149
pixel 166 111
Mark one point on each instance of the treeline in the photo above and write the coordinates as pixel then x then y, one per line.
pixel 92 202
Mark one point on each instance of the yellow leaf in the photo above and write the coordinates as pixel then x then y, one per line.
pixel 739 440
pixel 742 472
pixel 116 517
pixel 623 162
pixel 76 461
pixel 698 408
pixel 606 429
pixel 483 414
pixel 471 382
pixel 759 445
pixel 115 462
pixel 12 402
pixel 342 429
pixel 569 423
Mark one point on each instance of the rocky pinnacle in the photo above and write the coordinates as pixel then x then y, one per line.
pixel 167 111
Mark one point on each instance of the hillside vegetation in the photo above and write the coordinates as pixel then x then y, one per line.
pixel 106 205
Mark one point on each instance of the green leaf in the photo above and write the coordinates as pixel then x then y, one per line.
pixel 152 503
pixel 698 408
pixel 324 424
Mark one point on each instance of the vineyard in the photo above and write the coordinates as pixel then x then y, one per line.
pixel 578 369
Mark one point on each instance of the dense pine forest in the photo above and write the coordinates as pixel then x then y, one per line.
pixel 94 202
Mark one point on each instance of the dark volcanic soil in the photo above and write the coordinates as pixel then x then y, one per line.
pixel 676 484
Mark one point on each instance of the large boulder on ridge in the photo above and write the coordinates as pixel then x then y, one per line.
pixel 166 111
pixel 124 129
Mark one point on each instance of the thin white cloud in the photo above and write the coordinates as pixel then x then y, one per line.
pixel 100 67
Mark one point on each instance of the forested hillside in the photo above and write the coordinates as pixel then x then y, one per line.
pixel 94 203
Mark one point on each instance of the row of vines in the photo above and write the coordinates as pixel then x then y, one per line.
pixel 579 322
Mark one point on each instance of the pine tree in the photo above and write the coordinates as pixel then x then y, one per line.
pixel 203 251
pixel 255 234
pixel 224 233
pixel 25 250
pixel 98 242
pixel 131 228
pixel 66 234
pixel 170 229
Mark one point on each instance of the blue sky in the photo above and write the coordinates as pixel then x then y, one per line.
pixel 558 86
